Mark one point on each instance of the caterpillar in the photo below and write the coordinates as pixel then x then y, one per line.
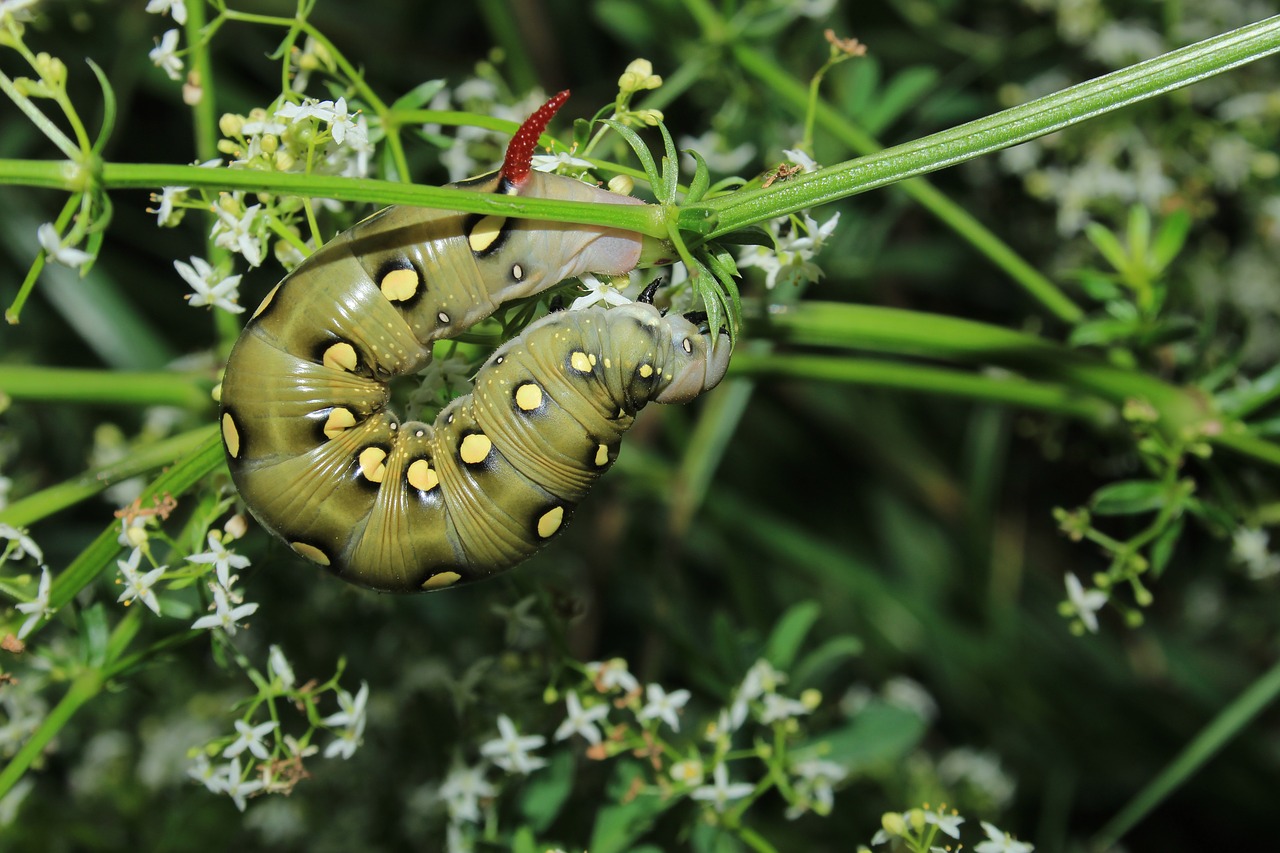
pixel 321 462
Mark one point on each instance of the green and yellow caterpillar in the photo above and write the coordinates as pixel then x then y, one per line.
pixel 409 506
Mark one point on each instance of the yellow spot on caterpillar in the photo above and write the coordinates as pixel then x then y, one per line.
pixel 608 363
pixel 646 370
pixel 266 300
pixel 528 397
pixel 580 362
pixel 550 522
pixel 230 435
pixel 485 232
pixel 421 476
pixel 591 357
pixel 339 419
pixel 602 456
pixel 341 356
pixel 311 552
pixel 475 448
pixel 441 580
pixel 399 284
pixel 372 464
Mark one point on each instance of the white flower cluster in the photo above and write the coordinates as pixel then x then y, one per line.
pixel 796 242
pixel 15 544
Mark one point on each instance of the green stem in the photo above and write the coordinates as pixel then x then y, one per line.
pixel 46 502
pixel 1229 722
pixel 889 330
pixel 1007 390
pixel 53 174
pixel 85 687
pixel 25 382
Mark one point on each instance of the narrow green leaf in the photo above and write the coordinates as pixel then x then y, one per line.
pixel 789 634
pixel 546 792
pixel 878 735
pixel 419 96
pixel 1108 245
pixel 1162 549
pixel 1129 497
pixel 1169 240
pixel 818 664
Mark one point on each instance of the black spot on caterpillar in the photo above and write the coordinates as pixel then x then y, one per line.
pixel 321 463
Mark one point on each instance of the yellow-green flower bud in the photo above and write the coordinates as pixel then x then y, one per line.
pixel 892 823
pixel 621 184
pixel 230 124
pixel 637 77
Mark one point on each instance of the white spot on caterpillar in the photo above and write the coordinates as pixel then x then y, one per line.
pixel 474 448
pixel 517 272
pixel 339 419
pixel 399 284
pixel 528 397
pixel 550 522
pixel 372 464
pixel 266 300
pixel 340 356
pixel 311 552
pixel 442 317
pixel 687 345
pixel 231 435
pixel 441 580
pixel 485 232
pixel 421 476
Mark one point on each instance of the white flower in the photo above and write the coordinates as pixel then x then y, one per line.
pixel 166 215
pixel 814 780
pixel 20 10
pixel 720 792
pixel 1000 842
pixel 224 615
pixel 687 772
pixel 510 751
pixel 239 233
pixel 462 791
pixel 1085 604
pixel 138 586
pixel 232 785
pixel 814 236
pixel 164 55
pixel 334 114
pixel 581 721
pixel 251 739
pixel 223 559
pixel 597 292
pixel 204 773
pixel 278 666
pixel 38 607
pixel 612 675
pixel 663 704
pixel 762 678
pixel 947 823
pixel 58 253
pixel 26 546
pixel 352 718
pixel 1249 548
pixel 801 159
pixel 716 152
pixel 778 708
pixel 200 275
pixel 552 162
pixel 177 8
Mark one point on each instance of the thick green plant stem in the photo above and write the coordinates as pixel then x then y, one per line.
pixel 1078 103
pixel 58 174
pixel 1006 390
pixel 894 331
pixel 25 382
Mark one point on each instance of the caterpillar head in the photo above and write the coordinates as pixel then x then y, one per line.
pixel 701 359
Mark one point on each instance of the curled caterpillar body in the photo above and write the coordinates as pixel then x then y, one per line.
pixel 405 507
